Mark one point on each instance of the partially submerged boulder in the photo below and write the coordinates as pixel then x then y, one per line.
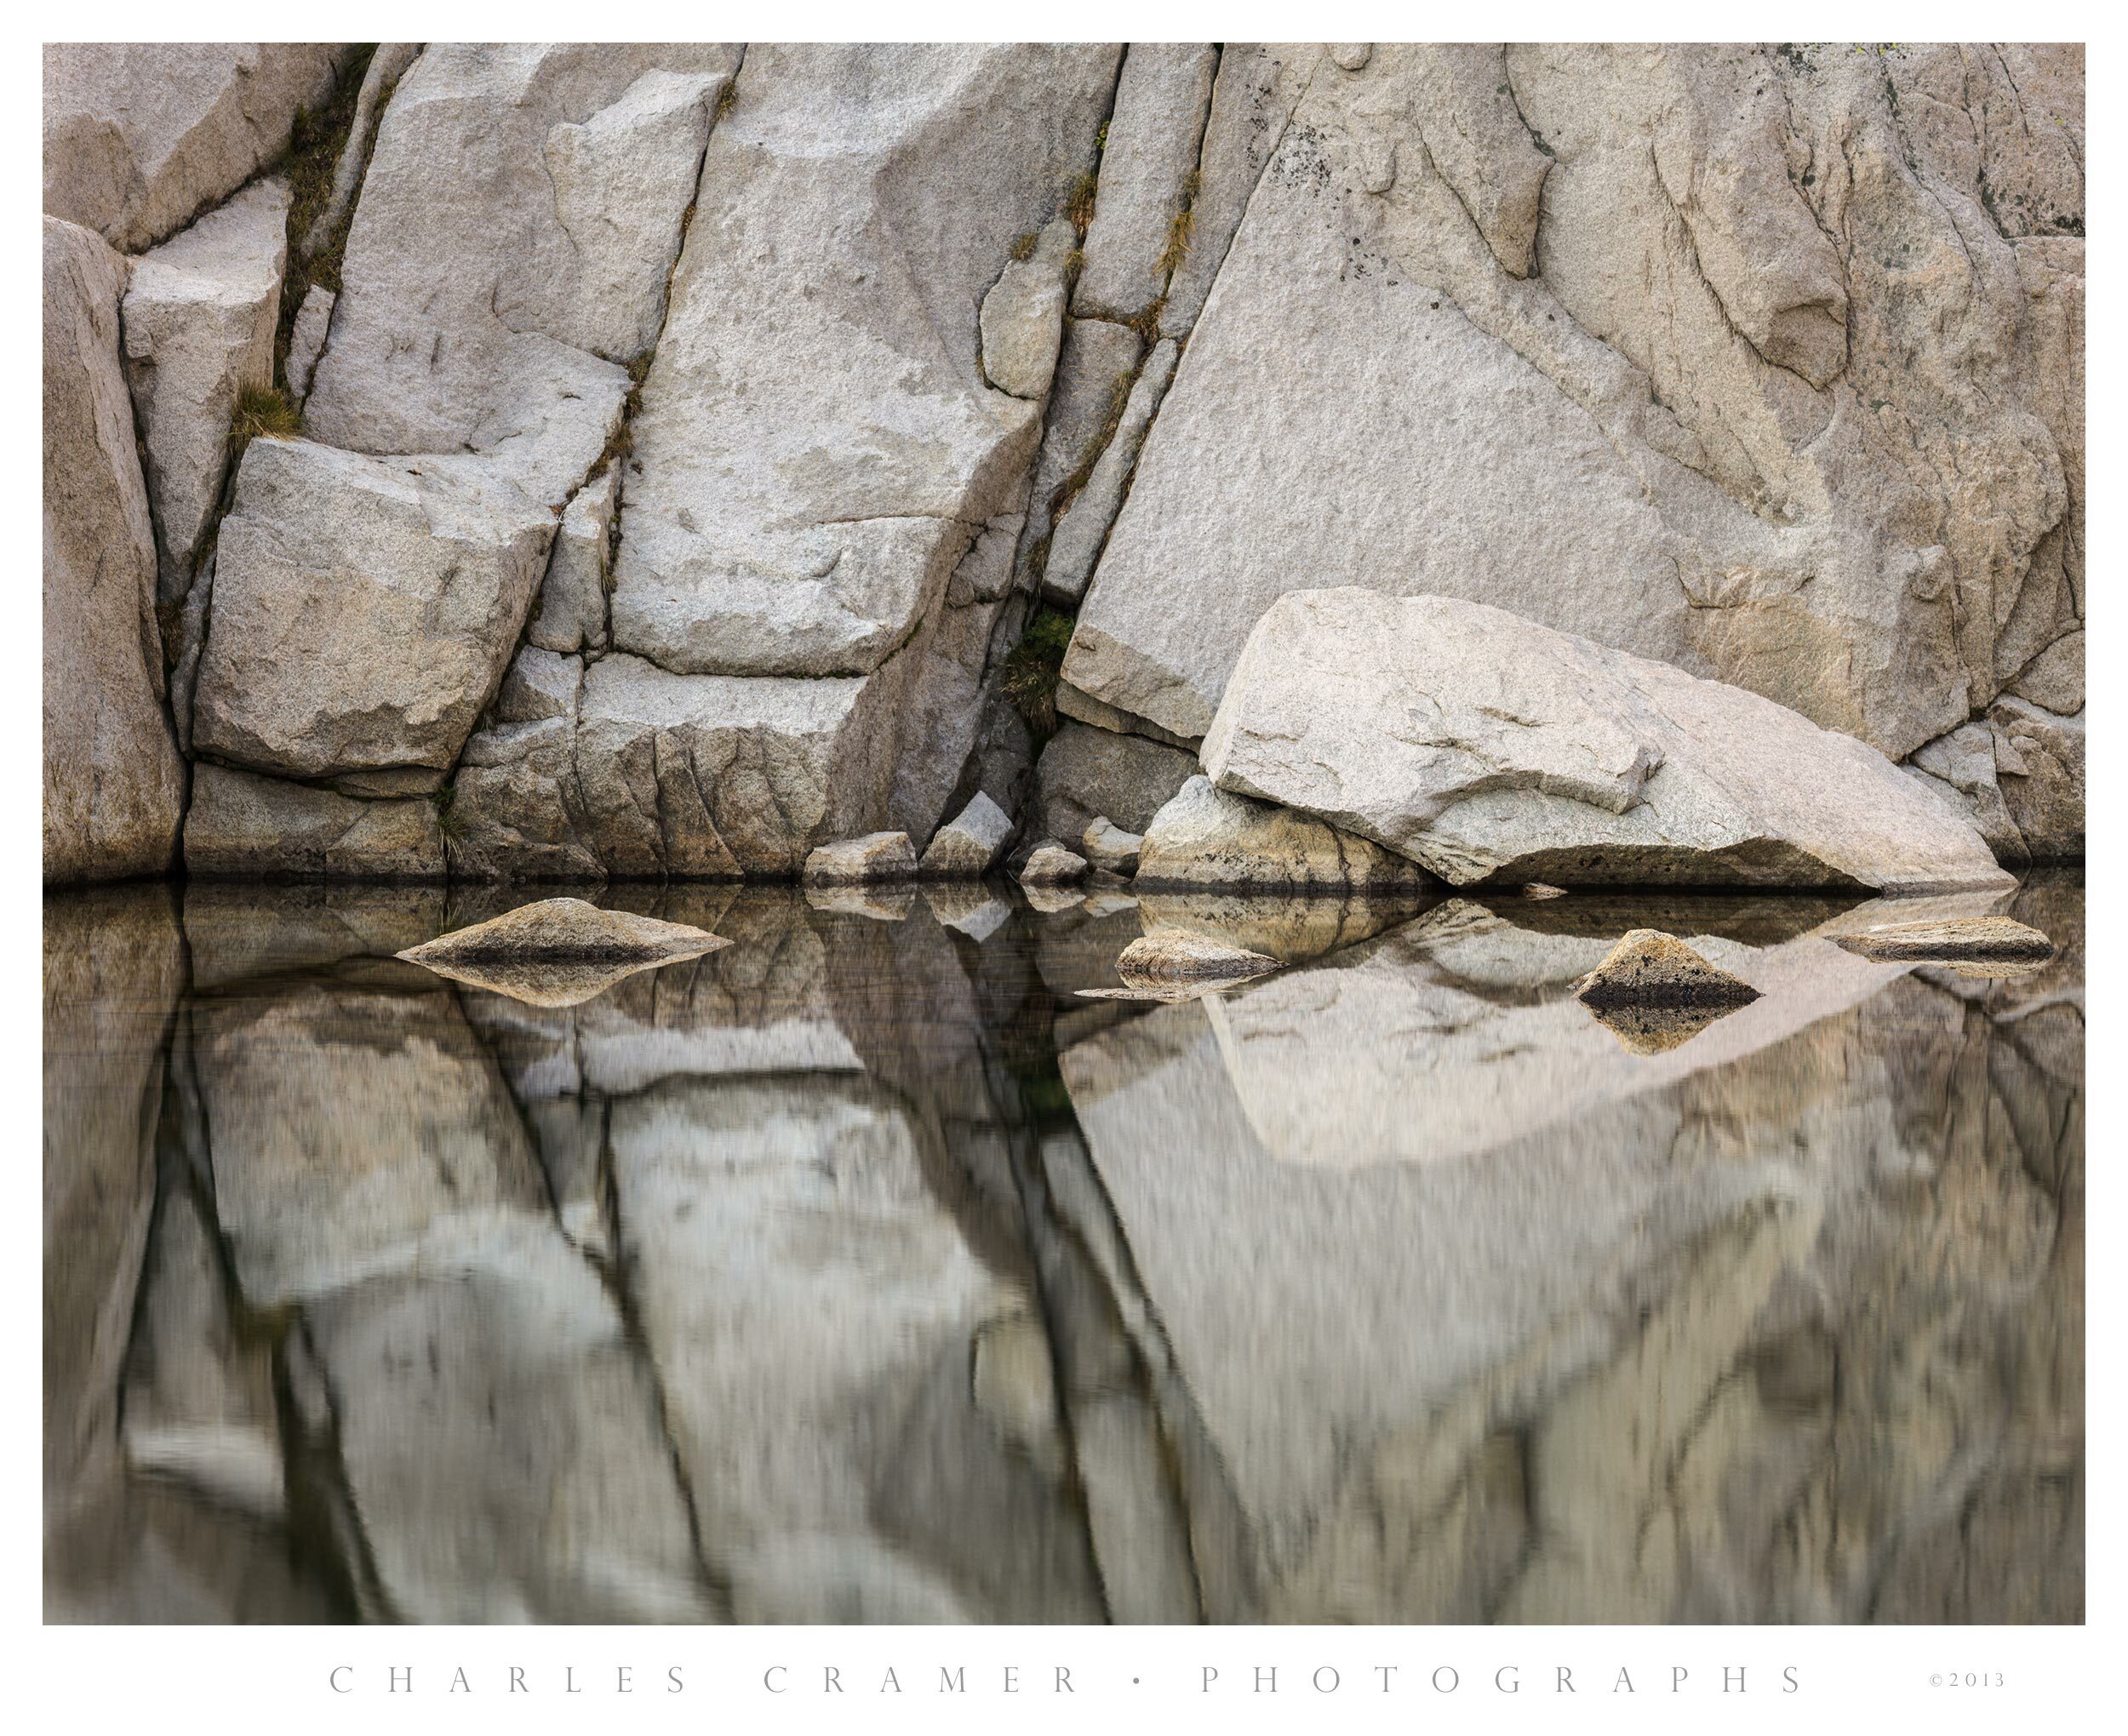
pixel 1107 845
pixel 1484 746
pixel 560 951
pixel 1953 941
pixel 881 855
pixel 1649 968
pixel 1206 837
pixel 1052 864
pixel 1169 956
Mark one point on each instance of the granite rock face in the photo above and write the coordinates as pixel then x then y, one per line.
pixel 1150 155
pixel 243 826
pixel 1669 347
pixel 509 252
pixel 114 786
pixel 199 317
pixel 363 609
pixel 140 137
pixel 797 378
pixel 1481 744
pixel 856 206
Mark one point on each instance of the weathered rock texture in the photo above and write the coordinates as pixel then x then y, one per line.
pixel 1482 745
pixel 199 317
pixel 773 386
pixel 363 609
pixel 114 787
pixel 1763 362
pixel 1210 837
pixel 140 138
pixel 510 253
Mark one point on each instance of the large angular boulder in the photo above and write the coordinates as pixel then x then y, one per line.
pixel 363 609
pixel 1481 744
pixel 140 137
pixel 816 443
pixel 1086 774
pixel 508 258
pixel 114 786
pixel 1812 436
pixel 199 318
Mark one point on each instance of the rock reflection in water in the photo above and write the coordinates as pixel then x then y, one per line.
pixel 865 1270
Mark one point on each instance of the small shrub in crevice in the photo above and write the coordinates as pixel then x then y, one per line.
pixel 315 143
pixel 1023 246
pixel 1033 668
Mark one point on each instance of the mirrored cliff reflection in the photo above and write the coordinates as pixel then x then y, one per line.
pixel 866 1269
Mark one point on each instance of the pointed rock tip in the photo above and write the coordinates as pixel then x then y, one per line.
pixel 1649 968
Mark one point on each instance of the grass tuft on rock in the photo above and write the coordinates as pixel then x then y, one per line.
pixel 261 409
pixel 1033 668
pixel 1078 202
pixel 1023 246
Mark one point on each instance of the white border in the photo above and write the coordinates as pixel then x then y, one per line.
pixel 175 1680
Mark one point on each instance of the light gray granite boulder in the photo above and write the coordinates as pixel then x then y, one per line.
pixel 851 861
pixel 199 317
pixel 364 609
pixel 1022 317
pixel 140 137
pixel 1821 440
pixel 1480 745
pixel 970 843
pixel 114 786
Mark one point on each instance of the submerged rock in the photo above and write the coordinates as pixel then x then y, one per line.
pixel 1167 955
pixel 882 855
pixel 1483 744
pixel 1955 940
pixel 1649 968
pixel 560 951
pixel 1052 864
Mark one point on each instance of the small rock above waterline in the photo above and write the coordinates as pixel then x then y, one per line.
pixel 557 928
pixel 1537 888
pixel 1052 864
pixel 1176 955
pixel 885 855
pixel 1649 968
pixel 1959 941
pixel 1107 845
pixel 967 846
pixel 561 951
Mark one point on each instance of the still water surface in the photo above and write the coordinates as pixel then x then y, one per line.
pixel 868 1271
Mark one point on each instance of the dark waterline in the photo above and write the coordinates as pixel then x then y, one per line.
pixel 865 1270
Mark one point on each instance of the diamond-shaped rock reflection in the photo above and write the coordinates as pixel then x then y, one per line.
pixel 560 951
